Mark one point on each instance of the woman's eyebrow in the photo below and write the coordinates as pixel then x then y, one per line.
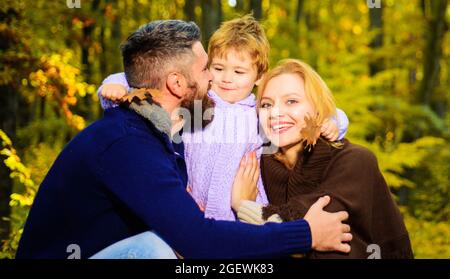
pixel 296 94
pixel 266 98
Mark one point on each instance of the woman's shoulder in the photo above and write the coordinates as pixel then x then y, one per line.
pixel 351 174
pixel 354 154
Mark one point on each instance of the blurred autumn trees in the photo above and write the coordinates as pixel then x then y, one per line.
pixel 388 68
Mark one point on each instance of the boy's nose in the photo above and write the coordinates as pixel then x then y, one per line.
pixel 226 77
pixel 210 76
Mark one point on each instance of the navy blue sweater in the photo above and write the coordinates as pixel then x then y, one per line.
pixel 120 177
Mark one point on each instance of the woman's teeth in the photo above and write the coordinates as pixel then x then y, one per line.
pixel 281 128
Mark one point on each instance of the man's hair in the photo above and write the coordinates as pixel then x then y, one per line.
pixel 157 48
pixel 242 34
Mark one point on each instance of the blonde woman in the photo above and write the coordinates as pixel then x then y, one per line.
pixel 293 100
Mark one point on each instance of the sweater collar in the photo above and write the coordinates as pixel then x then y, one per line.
pixel 309 169
pixel 158 116
pixel 250 101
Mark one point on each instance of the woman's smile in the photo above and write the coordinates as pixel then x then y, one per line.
pixel 280 127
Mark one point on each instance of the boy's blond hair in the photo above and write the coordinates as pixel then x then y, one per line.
pixel 241 34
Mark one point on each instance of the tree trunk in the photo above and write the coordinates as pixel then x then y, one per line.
pixel 298 16
pixel 299 11
pixel 189 10
pixel 256 7
pixel 103 59
pixel 8 113
pixel 211 12
pixel 9 99
pixel 376 24
pixel 433 51
pixel 240 6
pixel 219 13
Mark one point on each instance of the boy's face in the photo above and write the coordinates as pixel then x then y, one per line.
pixel 234 75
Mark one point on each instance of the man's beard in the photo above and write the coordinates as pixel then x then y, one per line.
pixel 200 108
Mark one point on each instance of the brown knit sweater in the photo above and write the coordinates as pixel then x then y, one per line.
pixel 351 177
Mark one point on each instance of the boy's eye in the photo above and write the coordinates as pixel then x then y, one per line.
pixel 218 69
pixel 239 72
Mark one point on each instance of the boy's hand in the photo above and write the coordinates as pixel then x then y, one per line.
pixel 329 130
pixel 244 186
pixel 113 92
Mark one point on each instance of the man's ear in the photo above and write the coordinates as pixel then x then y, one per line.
pixel 176 83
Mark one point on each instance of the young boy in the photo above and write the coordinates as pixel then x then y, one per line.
pixel 238 57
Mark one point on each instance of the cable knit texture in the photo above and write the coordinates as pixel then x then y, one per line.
pixel 213 155
pixel 351 177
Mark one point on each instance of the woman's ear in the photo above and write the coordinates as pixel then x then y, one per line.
pixel 177 84
pixel 259 80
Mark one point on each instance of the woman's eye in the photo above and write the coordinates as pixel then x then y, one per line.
pixel 290 102
pixel 265 105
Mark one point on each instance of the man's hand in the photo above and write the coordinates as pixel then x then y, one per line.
pixel 327 230
pixel 244 186
pixel 329 130
pixel 113 92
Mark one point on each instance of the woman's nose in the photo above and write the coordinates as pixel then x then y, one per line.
pixel 275 112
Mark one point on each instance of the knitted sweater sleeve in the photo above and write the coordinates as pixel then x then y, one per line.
pixel 118 78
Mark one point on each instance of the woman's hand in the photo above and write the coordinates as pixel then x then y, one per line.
pixel 244 186
pixel 113 92
pixel 329 130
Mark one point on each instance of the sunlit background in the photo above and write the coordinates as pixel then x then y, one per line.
pixel 387 63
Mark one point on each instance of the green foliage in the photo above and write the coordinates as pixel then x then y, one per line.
pixel 18 171
pixel 429 239
pixel 22 175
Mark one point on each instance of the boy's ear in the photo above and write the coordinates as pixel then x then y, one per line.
pixel 176 83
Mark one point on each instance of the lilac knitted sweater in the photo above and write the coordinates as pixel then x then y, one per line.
pixel 213 155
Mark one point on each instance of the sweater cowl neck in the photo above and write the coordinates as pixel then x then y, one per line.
pixel 309 169
pixel 249 101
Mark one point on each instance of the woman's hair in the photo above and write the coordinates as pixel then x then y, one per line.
pixel 316 90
